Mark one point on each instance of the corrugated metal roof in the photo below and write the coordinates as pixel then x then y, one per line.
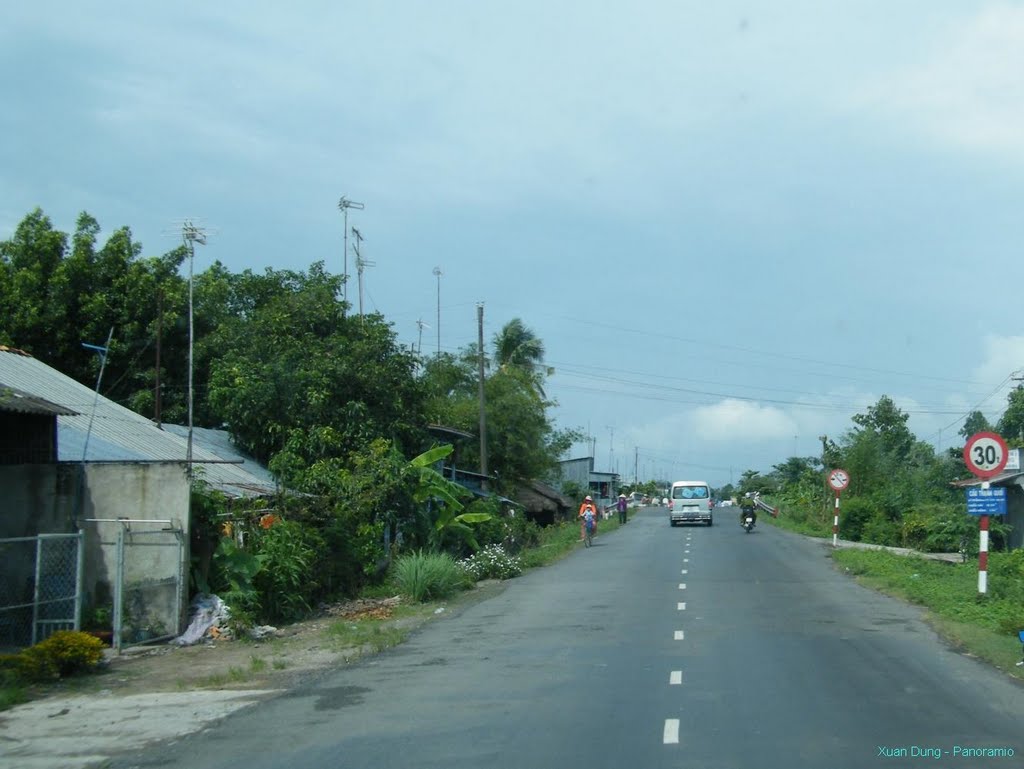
pixel 118 434
pixel 218 442
pixel 13 399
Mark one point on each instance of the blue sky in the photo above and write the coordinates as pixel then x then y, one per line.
pixel 734 225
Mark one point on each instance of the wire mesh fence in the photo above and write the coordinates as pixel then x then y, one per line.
pixel 40 587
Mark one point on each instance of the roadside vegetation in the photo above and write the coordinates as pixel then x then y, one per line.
pixel 360 431
pixel 984 626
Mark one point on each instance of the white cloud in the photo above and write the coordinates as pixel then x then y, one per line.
pixel 731 420
pixel 969 91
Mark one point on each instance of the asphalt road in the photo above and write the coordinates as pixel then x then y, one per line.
pixel 659 647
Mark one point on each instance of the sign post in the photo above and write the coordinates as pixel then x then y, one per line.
pixel 837 480
pixel 985 455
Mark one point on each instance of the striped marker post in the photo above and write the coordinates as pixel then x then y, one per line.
pixel 983 550
pixel 838 480
pixel 835 524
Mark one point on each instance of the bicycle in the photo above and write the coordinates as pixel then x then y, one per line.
pixel 588 533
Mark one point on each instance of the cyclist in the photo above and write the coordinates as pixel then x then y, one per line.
pixel 588 508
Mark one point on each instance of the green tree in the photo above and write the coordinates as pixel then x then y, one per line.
pixel 516 347
pixel 889 423
pixel 975 423
pixel 1011 423
pixel 322 369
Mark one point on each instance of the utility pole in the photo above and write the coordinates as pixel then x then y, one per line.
pixel 611 446
pixel 345 204
pixel 483 411
pixel 159 337
pixel 437 274
pixel 419 344
pixel 636 465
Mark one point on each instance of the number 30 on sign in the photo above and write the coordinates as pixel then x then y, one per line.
pixel 985 454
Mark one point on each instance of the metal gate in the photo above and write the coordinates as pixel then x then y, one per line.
pixel 149 578
pixel 40 587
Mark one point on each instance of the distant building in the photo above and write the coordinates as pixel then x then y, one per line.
pixel 603 487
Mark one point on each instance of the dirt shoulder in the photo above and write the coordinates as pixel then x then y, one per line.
pixel 342 633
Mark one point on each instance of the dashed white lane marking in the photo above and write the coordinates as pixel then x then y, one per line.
pixel 684 571
pixel 681 606
pixel 671 734
pixel 686 560
pixel 675 678
pixel 679 635
pixel 682 586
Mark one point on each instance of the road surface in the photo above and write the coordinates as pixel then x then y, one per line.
pixel 659 647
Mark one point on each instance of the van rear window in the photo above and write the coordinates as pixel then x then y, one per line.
pixel 690 492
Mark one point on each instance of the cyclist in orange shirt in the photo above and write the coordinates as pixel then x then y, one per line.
pixel 588 504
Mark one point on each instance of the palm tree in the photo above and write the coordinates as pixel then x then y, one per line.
pixel 517 348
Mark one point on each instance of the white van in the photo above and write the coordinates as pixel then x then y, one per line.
pixel 690 502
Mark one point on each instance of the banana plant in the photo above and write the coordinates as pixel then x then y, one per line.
pixel 443 496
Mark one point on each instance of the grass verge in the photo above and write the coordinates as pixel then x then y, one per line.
pixel 982 626
pixel 560 539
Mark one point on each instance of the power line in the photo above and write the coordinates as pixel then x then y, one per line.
pixel 754 351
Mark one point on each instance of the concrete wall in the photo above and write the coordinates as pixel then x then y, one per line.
pixel 41 499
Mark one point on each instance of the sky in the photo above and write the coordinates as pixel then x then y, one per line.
pixel 734 225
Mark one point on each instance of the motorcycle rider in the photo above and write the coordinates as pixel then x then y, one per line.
pixel 748 507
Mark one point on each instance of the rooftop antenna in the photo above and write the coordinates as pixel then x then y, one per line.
pixel 344 205
pixel 80 491
pixel 361 264
pixel 191 233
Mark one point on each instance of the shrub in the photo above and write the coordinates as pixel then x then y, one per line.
pixel 879 529
pixel 854 514
pixel 514 533
pixel 290 554
pixel 492 563
pixel 428 576
pixel 64 653
pixel 1007 579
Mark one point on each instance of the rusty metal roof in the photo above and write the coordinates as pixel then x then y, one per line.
pixel 118 434
pixel 13 399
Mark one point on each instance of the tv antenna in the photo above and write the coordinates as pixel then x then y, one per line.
pixel 361 264
pixel 344 205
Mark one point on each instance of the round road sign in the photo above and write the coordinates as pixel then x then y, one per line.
pixel 838 479
pixel 986 454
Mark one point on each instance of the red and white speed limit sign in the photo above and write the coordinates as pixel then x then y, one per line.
pixel 986 454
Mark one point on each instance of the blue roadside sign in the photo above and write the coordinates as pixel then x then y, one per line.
pixel 986 501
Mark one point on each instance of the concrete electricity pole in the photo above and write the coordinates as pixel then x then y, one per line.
pixel 437 274
pixel 483 410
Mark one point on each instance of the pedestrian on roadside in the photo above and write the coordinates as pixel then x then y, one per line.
pixel 622 505
pixel 588 506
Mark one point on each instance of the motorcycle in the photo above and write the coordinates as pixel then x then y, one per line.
pixel 748 522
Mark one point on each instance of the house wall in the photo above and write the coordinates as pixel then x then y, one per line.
pixel 576 471
pixel 41 499
pixel 1015 514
